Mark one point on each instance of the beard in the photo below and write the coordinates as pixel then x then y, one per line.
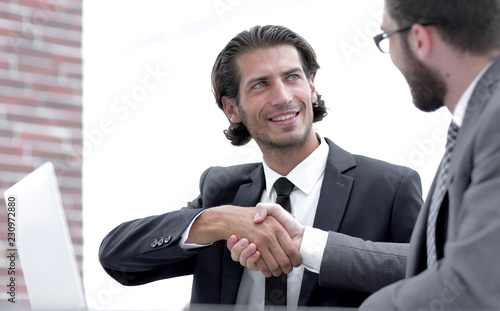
pixel 291 144
pixel 288 145
pixel 426 86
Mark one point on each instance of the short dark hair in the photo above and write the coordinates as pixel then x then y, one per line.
pixel 226 78
pixel 468 26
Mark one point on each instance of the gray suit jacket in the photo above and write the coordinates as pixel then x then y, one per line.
pixel 468 230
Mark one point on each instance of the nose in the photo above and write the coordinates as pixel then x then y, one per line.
pixel 281 95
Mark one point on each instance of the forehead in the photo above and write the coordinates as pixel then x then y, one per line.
pixel 267 61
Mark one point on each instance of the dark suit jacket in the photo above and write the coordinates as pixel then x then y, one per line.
pixel 467 231
pixel 360 196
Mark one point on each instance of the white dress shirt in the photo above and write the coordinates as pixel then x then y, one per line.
pixel 463 102
pixel 307 177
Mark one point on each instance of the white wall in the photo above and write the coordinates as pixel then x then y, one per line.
pixel 146 158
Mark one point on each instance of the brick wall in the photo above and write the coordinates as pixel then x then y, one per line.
pixel 40 109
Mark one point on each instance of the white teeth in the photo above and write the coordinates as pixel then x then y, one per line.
pixel 284 117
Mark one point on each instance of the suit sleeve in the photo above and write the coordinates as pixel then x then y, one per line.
pixel 407 204
pixel 352 263
pixel 144 250
pixel 366 266
pixel 468 276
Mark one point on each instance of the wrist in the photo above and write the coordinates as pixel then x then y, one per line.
pixel 312 248
pixel 208 227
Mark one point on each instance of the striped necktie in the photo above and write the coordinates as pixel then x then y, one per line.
pixel 438 195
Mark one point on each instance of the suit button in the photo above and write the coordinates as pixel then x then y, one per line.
pixel 160 241
pixel 168 238
pixel 154 243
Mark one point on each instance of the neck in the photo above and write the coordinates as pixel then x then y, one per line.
pixel 460 71
pixel 283 161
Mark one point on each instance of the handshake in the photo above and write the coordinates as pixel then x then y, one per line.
pixel 275 249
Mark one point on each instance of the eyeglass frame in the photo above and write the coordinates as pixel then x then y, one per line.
pixel 386 34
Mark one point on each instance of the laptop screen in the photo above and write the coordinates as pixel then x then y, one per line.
pixel 42 242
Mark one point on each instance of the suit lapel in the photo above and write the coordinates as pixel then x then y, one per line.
pixel 332 204
pixel 477 103
pixel 248 195
pixel 417 256
pixel 481 95
pixel 335 190
pixel 479 99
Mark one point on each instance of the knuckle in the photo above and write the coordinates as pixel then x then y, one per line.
pixel 290 251
pixel 285 265
pixel 266 239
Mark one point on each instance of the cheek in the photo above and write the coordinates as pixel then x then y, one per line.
pixel 397 55
pixel 397 60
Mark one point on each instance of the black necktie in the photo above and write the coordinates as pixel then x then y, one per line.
pixel 276 286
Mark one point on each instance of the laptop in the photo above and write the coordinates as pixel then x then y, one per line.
pixel 43 242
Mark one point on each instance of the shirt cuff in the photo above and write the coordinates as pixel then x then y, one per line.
pixel 312 248
pixel 185 235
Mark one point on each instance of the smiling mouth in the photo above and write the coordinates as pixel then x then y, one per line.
pixel 284 117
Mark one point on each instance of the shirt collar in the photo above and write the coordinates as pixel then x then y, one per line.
pixel 306 174
pixel 463 102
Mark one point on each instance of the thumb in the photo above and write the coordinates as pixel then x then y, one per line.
pixel 260 213
pixel 264 209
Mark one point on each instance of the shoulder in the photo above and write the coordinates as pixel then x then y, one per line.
pixel 235 174
pixel 346 162
pixel 219 184
pixel 371 172
pixel 392 175
pixel 364 163
pixel 241 169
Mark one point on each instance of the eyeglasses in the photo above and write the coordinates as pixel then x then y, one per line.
pixel 383 45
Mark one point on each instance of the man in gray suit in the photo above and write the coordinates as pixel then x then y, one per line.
pixel 448 51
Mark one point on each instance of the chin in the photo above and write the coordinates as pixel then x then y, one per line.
pixel 428 106
pixel 427 101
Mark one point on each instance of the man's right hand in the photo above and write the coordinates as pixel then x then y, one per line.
pixel 248 254
pixel 276 247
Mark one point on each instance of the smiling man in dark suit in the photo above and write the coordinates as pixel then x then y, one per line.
pixel 264 82
pixel 449 53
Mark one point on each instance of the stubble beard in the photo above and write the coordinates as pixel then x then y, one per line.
pixel 282 146
pixel 264 141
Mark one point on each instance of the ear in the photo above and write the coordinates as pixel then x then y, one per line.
pixel 230 108
pixel 421 40
pixel 314 96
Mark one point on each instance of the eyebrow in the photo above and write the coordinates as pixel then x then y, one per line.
pixel 261 78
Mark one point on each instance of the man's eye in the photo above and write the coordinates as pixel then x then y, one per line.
pixel 259 85
pixel 293 77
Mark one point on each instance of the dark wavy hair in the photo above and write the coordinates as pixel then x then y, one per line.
pixel 226 78
pixel 468 26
